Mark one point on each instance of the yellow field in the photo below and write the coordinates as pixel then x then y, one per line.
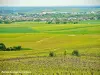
pixel 43 38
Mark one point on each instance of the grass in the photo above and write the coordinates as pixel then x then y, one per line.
pixel 43 43
pixel 90 22
pixel 44 38
pixel 51 28
pixel 17 30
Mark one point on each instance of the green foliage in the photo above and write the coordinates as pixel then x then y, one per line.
pixel 65 52
pixel 49 22
pixel 62 21
pixel 17 47
pixel 8 49
pixel 75 22
pixel 51 54
pixel 7 22
pixel 1 21
pixel 2 47
pixel 75 53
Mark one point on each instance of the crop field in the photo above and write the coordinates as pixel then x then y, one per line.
pixel 40 39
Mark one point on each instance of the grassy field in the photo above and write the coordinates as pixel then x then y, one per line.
pixel 41 39
pixel 90 22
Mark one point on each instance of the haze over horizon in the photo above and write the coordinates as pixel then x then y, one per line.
pixel 49 3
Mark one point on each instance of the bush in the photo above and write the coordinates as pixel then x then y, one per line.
pixel 75 53
pixel 65 52
pixel 51 54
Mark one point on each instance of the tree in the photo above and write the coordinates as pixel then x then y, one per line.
pixel 57 21
pixel 49 22
pixel 37 20
pixel 2 47
pixel 8 49
pixel 64 22
pixel 7 22
pixel 1 22
pixel 75 22
pixel 17 47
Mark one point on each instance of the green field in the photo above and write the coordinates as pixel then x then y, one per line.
pixel 41 39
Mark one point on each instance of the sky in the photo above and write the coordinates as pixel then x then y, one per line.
pixel 49 2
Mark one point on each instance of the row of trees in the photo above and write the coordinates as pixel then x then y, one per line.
pixel 5 21
pixel 58 21
pixel 3 48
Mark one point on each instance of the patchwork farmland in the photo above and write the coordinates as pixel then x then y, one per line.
pixel 39 39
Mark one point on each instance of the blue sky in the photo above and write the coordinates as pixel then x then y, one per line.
pixel 49 2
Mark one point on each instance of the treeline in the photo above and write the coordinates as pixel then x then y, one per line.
pixel 4 48
pixel 62 21
pixel 6 21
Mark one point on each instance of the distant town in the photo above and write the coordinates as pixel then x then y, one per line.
pixel 8 15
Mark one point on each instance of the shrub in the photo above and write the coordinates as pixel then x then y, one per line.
pixel 51 54
pixel 75 53
pixel 65 52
